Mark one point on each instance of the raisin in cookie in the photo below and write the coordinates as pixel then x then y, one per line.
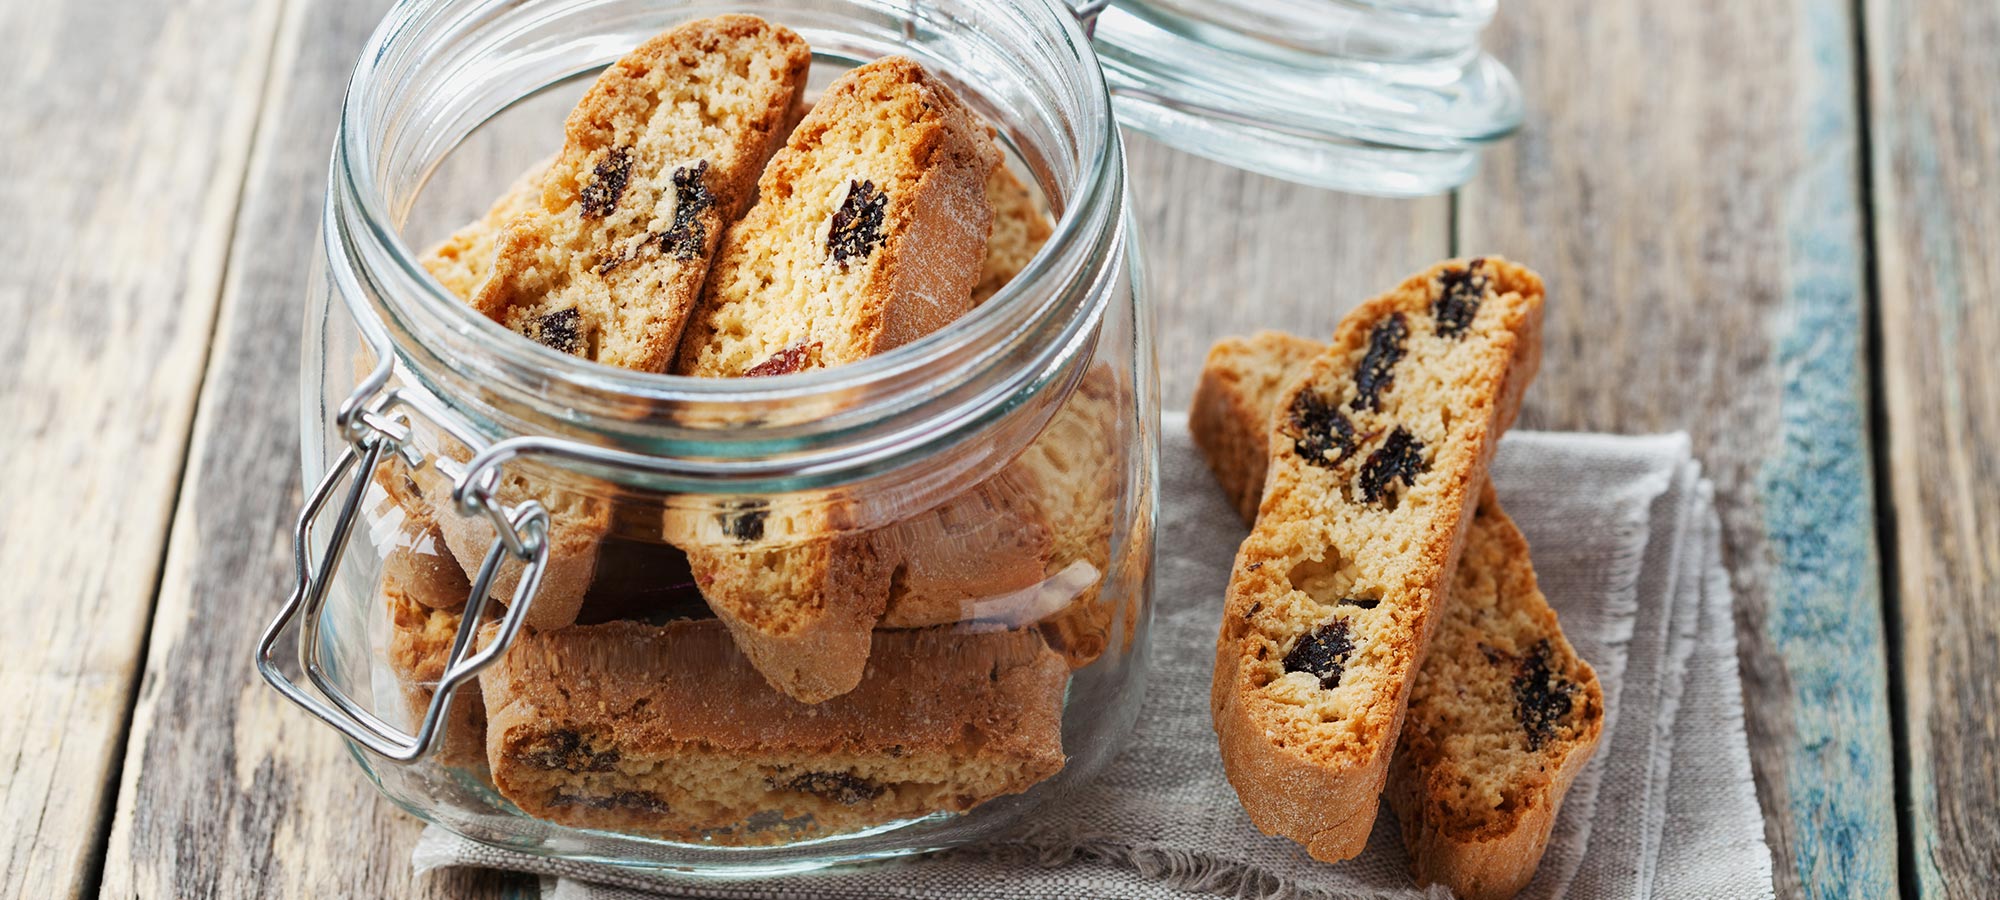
pixel 1503 713
pixel 1378 453
pixel 669 731
pixel 658 156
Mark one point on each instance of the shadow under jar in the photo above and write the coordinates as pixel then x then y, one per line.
pixel 504 571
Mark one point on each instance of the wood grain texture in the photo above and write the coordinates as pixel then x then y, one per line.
pixel 1228 252
pixel 1935 129
pixel 228 790
pixel 1688 182
pixel 125 132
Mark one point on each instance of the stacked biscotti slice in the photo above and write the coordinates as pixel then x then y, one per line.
pixel 669 731
pixel 869 231
pixel 662 151
pixel 1032 545
pixel 1503 713
pixel 1378 452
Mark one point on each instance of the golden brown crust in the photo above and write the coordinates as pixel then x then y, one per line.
pixel 1231 416
pixel 464 259
pixel 1332 597
pixel 801 613
pixel 669 731
pixel 659 155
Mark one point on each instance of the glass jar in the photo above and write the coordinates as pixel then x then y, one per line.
pixel 740 625
pixel 721 625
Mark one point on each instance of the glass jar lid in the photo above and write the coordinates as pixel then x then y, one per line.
pixel 1387 97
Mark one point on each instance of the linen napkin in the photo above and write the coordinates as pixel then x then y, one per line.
pixel 1626 546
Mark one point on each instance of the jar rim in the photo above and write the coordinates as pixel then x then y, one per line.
pixel 596 400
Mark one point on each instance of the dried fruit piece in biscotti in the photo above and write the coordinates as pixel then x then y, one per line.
pixel 868 233
pixel 1020 228
pixel 1231 416
pixel 660 154
pixel 420 638
pixel 1334 594
pixel 1503 714
pixel 1502 717
pixel 668 731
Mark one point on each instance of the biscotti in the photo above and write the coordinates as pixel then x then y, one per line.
pixel 868 232
pixel 1230 419
pixel 1503 713
pixel 800 587
pixel 464 259
pixel 420 639
pixel 1502 717
pixel 668 731
pixel 578 513
pixel 1074 468
pixel 1064 485
pixel 1377 455
pixel 978 557
pixel 1020 228
pixel 416 556
pixel 661 153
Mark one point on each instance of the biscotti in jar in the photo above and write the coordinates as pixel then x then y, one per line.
pixel 741 451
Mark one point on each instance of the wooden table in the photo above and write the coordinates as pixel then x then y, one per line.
pixel 1769 224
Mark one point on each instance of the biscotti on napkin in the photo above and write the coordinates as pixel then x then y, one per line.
pixel 1378 452
pixel 1502 715
pixel 669 731
pixel 869 231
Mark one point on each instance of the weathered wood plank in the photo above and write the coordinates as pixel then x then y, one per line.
pixel 1688 182
pixel 1229 252
pixel 126 130
pixel 228 790
pixel 1935 130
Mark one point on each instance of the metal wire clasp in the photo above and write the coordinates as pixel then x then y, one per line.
pixel 376 424
pixel 1086 12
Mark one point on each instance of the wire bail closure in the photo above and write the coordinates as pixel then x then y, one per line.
pixel 1086 12
pixel 375 424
